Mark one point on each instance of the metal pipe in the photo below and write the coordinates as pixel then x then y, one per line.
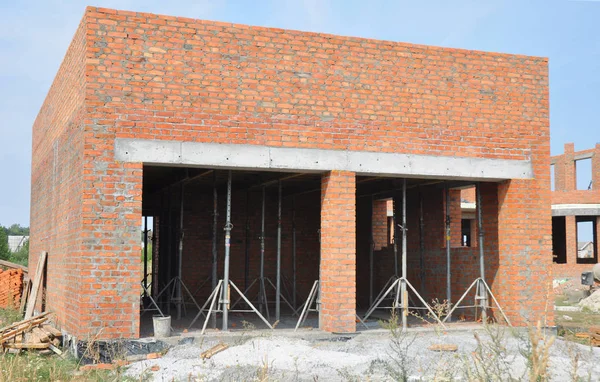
pixel 394 221
pixel 247 243
pixel 371 245
pixel 262 253
pixel 421 242
pixel 145 254
pixel 404 273
pixel 482 291
pixel 278 279
pixel 180 256
pixel 227 229
pixel 214 243
pixel 294 253
pixel 170 244
pixel 448 259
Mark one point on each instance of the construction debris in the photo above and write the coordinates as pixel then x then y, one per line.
pixel 32 333
pixel 214 350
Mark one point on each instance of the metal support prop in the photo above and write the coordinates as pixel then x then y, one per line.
pixel 180 255
pixel 294 252
pixel 227 229
pixel 481 292
pixel 145 255
pixel 371 249
pixel 278 276
pixel 448 258
pixel 262 290
pixel 214 242
pixel 395 225
pixel 421 242
pixel 404 270
pixel 247 242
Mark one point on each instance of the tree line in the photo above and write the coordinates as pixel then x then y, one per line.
pixel 22 255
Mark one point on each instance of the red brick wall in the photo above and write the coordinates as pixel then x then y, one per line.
pixel 56 189
pixel 173 78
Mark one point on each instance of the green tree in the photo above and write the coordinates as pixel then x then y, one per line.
pixel 4 251
pixel 17 230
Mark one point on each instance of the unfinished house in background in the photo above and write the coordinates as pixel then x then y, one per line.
pixel 266 160
pixel 575 211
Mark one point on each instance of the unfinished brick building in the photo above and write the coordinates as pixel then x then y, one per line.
pixel 148 115
pixel 575 211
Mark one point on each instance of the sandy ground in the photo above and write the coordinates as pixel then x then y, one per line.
pixel 373 355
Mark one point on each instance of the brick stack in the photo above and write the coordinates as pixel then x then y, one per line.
pixel 11 286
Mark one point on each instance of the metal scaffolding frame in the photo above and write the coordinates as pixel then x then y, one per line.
pixel 220 298
pixel 263 281
pixel 482 289
pixel 396 287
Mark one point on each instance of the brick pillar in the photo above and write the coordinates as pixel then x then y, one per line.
pixel 569 178
pixel 523 282
pixel 597 238
pixel 455 218
pixel 380 225
pixel 571 236
pixel 596 169
pixel 338 252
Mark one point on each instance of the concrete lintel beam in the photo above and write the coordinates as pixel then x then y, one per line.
pixel 237 156
pixel 576 210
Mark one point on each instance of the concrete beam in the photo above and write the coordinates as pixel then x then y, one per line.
pixel 576 210
pixel 251 157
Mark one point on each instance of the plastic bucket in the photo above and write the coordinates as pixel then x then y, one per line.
pixel 162 326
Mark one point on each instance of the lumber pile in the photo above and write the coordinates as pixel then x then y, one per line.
pixel 11 285
pixel 32 333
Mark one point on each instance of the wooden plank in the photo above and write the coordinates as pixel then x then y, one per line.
pixel 27 345
pixel 24 295
pixel 443 347
pixel 37 283
pixel 214 350
pixel 8 264
pixel 55 349
pixel 51 330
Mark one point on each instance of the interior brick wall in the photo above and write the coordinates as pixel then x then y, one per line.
pixel 147 76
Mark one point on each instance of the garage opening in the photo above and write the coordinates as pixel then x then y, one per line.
pixel 440 269
pixel 269 225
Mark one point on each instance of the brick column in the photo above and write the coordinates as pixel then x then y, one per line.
pixel 571 238
pixel 598 238
pixel 455 218
pixel 596 169
pixel 338 252
pixel 569 178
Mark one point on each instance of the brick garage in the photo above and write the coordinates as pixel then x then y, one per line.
pixel 137 90
pixel 571 206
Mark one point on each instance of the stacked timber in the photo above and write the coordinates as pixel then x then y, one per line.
pixel 33 333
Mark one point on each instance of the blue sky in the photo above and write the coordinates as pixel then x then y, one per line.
pixel 34 36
